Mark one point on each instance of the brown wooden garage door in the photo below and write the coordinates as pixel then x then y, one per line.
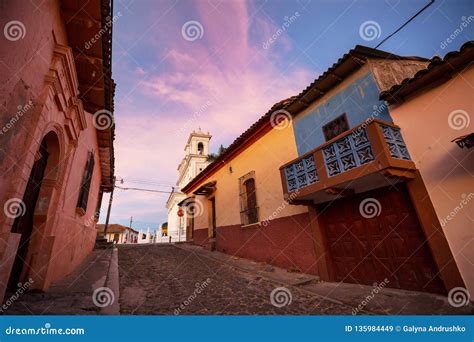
pixel 391 245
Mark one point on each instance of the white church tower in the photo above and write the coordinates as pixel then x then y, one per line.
pixel 194 161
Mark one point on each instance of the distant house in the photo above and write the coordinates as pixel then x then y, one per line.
pixel 119 234
pixel 325 183
pixel 146 237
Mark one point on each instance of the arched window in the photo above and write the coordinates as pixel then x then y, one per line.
pixel 200 148
pixel 248 199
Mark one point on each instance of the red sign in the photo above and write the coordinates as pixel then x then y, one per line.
pixel 180 212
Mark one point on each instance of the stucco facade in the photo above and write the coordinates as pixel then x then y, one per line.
pixel 44 117
pixel 312 180
pixel 282 236
pixel 446 169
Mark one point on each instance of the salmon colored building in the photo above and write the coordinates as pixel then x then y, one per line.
pixel 56 138
pixel 435 110
pixel 333 190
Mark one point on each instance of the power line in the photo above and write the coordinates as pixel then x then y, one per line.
pixel 141 189
pixel 406 23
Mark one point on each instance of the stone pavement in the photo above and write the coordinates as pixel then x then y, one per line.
pixel 71 296
pixel 386 301
pixel 182 279
pixel 166 280
pixel 240 286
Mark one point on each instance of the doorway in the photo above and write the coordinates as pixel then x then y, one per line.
pixel 24 224
pixel 213 217
pixel 31 225
pixel 391 245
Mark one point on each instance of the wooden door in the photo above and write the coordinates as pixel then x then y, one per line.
pixel 24 224
pixel 389 246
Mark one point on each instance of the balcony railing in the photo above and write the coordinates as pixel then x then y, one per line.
pixel 372 148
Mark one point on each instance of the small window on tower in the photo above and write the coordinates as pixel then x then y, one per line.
pixel 200 148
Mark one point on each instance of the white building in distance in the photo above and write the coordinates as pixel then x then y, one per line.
pixel 194 161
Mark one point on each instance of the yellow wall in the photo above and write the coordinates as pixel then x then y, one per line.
pixel 446 169
pixel 265 158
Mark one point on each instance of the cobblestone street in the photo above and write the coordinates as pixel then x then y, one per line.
pixel 163 280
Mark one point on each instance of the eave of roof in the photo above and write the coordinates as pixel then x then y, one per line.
pixel 94 68
pixel 346 65
pixel 436 71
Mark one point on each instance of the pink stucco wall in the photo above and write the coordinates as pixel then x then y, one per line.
pixel 66 237
pixel 446 169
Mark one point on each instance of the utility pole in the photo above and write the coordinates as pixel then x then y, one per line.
pixel 131 220
pixel 109 208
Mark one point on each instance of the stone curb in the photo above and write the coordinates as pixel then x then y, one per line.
pixel 112 282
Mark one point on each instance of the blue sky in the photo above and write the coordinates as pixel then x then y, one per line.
pixel 230 73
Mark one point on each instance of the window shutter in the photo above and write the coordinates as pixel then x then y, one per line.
pixel 86 183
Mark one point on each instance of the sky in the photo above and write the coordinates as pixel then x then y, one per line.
pixel 219 65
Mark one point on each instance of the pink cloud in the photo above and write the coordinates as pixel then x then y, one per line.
pixel 221 83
